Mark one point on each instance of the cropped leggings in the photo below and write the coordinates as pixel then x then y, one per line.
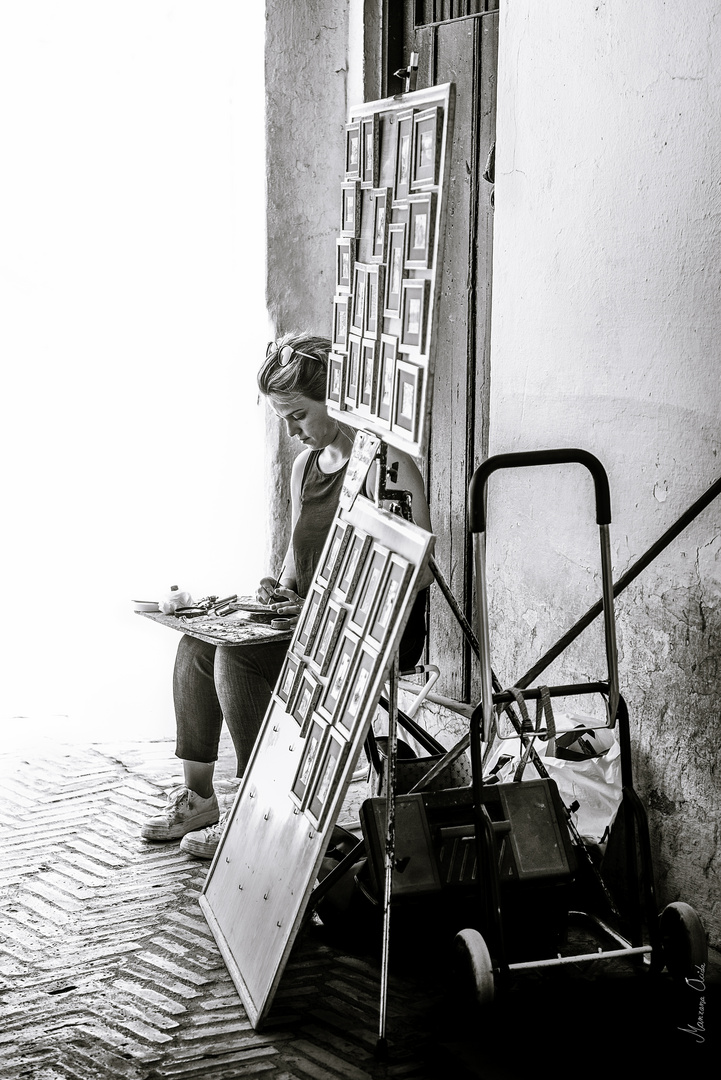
pixel 212 683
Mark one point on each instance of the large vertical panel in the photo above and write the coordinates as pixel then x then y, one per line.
pixel 462 52
pixel 452 53
pixel 487 51
pixel 366 332
pixel 487 48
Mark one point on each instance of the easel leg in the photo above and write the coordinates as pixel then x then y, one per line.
pixel 382 1045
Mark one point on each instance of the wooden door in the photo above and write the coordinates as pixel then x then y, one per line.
pixel 458 43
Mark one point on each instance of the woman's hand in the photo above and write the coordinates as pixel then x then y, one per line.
pixel 283 600
pixel 287 603
pixel 266 593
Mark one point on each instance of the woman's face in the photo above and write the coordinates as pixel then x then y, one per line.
pixel 305 419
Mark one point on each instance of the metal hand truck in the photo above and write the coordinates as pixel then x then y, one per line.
pixel 483 857
pixel 547 856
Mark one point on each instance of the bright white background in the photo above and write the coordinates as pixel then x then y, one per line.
pixel 132 322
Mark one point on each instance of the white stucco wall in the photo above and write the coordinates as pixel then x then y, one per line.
pixel 315 68
pixel 306 94
pixel 606 335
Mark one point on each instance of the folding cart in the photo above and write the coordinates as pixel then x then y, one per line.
pixel 504 862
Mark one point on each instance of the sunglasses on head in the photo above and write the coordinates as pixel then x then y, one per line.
pixel 285 353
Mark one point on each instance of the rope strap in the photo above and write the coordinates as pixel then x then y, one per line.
pixel 530 731
pixel 543 706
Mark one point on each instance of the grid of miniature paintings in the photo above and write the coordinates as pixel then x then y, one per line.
pixel 293 788
pixel 330 673
pixel 386 261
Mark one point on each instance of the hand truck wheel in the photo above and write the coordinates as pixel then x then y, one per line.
pixel 683 941
pixel 473 963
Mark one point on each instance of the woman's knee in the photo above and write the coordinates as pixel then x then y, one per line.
pixel 248 669
pixel 192 651
pixel 197 709
pixel 194 657
pixel 232 659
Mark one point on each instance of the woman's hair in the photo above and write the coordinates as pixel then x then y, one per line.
pixel 304 373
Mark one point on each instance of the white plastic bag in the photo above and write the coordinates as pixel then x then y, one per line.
pixel 174 599
pixel 594 782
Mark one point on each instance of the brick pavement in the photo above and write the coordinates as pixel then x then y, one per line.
pixel 107 966
pixel 108 969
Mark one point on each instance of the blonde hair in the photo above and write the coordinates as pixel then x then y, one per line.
pixel 305 374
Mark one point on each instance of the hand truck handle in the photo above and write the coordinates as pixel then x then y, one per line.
pixel 476 499
pixel 477 527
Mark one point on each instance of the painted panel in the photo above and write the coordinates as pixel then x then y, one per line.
pixel 268 859
pixel 392 207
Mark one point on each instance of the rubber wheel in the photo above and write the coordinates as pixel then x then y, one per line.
pixel 683 940
pixel 473 962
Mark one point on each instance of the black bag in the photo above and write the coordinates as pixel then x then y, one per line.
pixel 345 908
pixel 410 768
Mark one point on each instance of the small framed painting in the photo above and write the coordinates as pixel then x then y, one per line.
pixel 359 684
pixel 305 701
pixel 350 208
pixel 352 151
pixel 339 675
pixel 381 219
pixel 369 589
pixel 332 760
pixel 340 322
pixel 332 557
pixel 370 135
pixel 329 628
pixel 358 311
pixel 311 750
pixel 392 591
pixel 404 148
pixel 414 314
pixel 344 263
pixel 353 566
pixel 352 371
pixel 419 238
pixel 335 388
pixel 287 678
pixel 367 376
pixel 426 148
pixel 386 376
pixel 394 274
pixel 307 625
pixel 374 292
pixel 406 399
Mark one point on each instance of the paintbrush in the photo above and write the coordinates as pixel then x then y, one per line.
pixel 277 581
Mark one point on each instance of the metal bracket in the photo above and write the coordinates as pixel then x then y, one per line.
pixel 409 74
pixel 401 500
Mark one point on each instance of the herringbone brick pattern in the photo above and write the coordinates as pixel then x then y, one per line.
pixel 107 966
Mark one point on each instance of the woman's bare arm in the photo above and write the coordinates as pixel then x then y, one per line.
pixel 288 580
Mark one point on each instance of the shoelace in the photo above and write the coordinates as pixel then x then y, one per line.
pixel 220 824
pixel 177 796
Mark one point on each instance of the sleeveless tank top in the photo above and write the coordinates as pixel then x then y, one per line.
pixel 319 496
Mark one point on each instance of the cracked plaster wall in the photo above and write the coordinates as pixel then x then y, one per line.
pixel 606 331
pixel 606 321
pixel 306 93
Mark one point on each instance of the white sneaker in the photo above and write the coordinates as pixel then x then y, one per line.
pixel 185 811
pixel 204 842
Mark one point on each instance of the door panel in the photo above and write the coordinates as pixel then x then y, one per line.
pixel 462 51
